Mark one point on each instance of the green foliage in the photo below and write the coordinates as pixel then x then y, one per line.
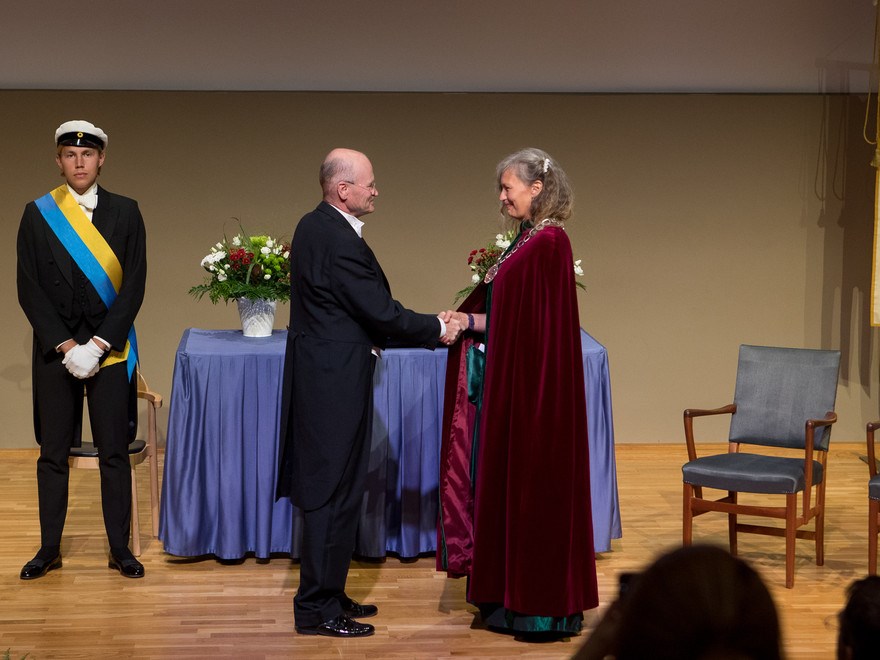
pixel 254 267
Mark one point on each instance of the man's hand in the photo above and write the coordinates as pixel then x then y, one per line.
pixel 454 326
pixel 82 360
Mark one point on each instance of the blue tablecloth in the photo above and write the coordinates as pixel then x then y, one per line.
pixel 221 454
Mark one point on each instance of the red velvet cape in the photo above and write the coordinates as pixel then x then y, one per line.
pixel 524 537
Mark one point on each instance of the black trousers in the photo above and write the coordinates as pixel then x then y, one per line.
pixel 58 397
pixel 329 535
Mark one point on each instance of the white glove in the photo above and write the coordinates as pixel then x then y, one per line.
pixel 82 360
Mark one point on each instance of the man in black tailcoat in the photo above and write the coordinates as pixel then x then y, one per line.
pixel 81 275
pixel 341 315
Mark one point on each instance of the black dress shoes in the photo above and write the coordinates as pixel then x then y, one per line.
pixel 128 566
pixel 357 611
pixel 37 567
pixel 341 626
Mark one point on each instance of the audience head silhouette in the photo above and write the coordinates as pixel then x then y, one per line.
pixel 860 620
pixel 694 603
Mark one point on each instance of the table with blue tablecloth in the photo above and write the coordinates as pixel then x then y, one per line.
pixel 221 453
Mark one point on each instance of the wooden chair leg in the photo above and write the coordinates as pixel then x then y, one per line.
pixel 820 536
pixel 687 516
pixel 731 526
pixel 820 520
pixel 790 537
pixel 873 524
pixel 153 457
pixel 135 526
pixel 154 492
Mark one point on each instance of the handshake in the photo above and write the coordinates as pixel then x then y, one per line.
pixel 458 322
pixel 83 360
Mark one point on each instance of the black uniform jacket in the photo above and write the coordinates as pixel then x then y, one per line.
pixel 57 298
pixel 341 307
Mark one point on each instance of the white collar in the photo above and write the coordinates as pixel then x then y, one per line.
pixel 89 199
pixel 355 223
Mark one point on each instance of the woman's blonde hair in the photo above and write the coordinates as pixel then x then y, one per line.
pixel 529 165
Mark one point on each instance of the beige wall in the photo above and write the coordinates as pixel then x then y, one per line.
pixel 703 221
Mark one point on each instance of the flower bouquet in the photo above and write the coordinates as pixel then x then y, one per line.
pixel 252 267
pixel 482 259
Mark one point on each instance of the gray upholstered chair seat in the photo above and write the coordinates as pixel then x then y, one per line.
pixel 750 473
pixel 874 488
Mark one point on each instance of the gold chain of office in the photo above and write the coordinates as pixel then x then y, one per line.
pixel 546 222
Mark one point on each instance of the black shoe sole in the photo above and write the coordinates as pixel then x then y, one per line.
pixel 50 567
pixel 118 567
pixel 314 631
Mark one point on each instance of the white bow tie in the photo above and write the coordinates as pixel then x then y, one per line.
pixel 88 201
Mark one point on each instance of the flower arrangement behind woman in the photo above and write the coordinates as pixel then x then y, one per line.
pixel 253 267
pixel 481 260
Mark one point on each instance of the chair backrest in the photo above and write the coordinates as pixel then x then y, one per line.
pixel 778 390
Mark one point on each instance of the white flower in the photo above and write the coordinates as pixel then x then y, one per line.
pixel 236 241
pixel 213 258
pixel 270 242
pixel 502 242
pixel 577 268
pixel 221 276
pixel 286 254
pixel 265 250
pixel 267 276
pixel 219 246
pixel 475 278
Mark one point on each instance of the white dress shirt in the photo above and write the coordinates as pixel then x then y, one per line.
pixel 88 200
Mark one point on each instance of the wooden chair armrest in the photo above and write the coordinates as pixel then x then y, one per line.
pixel 809 441
pixel 696 412
pixel 154 398
pixel 872 456
pixel 810 433
pixel 689 415
pixel 828 420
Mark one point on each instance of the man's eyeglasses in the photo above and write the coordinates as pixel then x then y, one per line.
pixel 371 187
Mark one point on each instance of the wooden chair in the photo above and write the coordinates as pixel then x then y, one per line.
pixel 139 451
pixel 784 398
pixel 873 500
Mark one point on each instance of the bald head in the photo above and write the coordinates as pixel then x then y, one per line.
pixel 339 165
pixel 347 181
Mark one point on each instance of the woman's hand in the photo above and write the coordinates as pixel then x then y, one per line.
pixel 456 323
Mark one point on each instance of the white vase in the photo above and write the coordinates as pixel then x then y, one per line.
pixel 257 317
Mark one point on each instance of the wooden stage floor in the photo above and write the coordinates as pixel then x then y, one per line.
pixel 202 608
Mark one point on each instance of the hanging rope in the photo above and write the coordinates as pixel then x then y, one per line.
pixel 875 162
pixel 875 74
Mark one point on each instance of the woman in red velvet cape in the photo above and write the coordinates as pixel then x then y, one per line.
pixel 514 483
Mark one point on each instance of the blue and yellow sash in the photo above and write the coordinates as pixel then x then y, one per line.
pixel 92 254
